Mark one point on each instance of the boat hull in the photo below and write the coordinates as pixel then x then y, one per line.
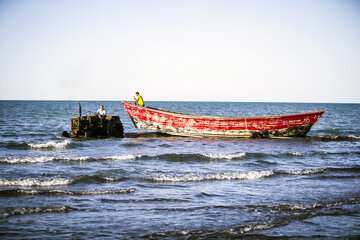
pixel 294 125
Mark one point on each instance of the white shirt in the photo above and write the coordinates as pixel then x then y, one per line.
pixel 101 112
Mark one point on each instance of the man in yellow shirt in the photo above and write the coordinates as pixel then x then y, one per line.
pixel 139 100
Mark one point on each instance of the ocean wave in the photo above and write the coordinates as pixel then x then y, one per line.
pixel 336 177
pixel 192 177
pixel 307 171
pixel 295 154
pixel 276 208
pixel 285 208
pixel 28 182
pixel 228 156
pixel 270 216
pixel 43 159
pixel 145 200
pixel 26 159
pixel 131 144
pixel 237 232
pixel 36 182
pixel 336 138
pixel 50 145
pixel 251 175
pixel 195 156
pixel 15 145
pixel 119 157
pixel 351 169
pixel 249 231
pixel 165 145
pixel 212 177
pixel 20 192
pixel 8 212
pixel 314 171
pixel 170 156
pixel 94 179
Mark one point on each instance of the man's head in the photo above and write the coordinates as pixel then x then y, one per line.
pixel 137 93
pixel 102 107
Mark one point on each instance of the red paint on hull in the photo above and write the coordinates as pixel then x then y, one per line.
pixel 190 125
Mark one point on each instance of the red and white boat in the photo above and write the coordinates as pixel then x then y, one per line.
pixel 293 125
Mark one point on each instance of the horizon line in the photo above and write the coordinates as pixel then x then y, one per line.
pixel 121 100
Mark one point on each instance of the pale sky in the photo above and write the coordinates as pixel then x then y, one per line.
pixel 293 51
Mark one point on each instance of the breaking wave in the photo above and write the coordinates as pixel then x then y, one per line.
pixel 195 156
pixel 251 175
pixel 212 177
pixel 308 171
pixel 191 177
pixel 8 212
pixel 295 154
pixel 226 156
pixel 28 182
pixel 172 157
pixel 21 192
pixel 50 145
pixel 19 160
pixel 238 155
pixel 42 159
pixel 118 157
pixel 35 182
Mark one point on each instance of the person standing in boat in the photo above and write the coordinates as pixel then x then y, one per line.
pixel 139 100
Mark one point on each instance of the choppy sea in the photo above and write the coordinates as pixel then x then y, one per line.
pixel 146 186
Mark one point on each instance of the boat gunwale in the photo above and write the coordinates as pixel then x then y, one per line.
pixel 186 115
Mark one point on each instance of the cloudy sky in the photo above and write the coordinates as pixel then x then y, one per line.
pixel 293 51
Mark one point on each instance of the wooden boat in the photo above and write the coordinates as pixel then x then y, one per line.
pixel 294 125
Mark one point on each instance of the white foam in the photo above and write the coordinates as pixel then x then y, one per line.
pixel 35 182
pixel 121 157
pixel 114 191
pixel 211 177
pixel 15 160
pixel 354 137
pixel 50 144
pixel 56 191
pixel 296 154
pixel 85 158
pixel 298 207
pixel 43 159
pixel 228 156
pixel 255 227
pixel 307 171
pixel 72 158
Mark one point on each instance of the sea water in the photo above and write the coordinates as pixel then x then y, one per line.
pixel 157 187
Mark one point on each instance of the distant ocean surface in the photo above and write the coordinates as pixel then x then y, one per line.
pixel 150 187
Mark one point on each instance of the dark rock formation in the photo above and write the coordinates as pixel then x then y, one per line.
pixel 96 126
